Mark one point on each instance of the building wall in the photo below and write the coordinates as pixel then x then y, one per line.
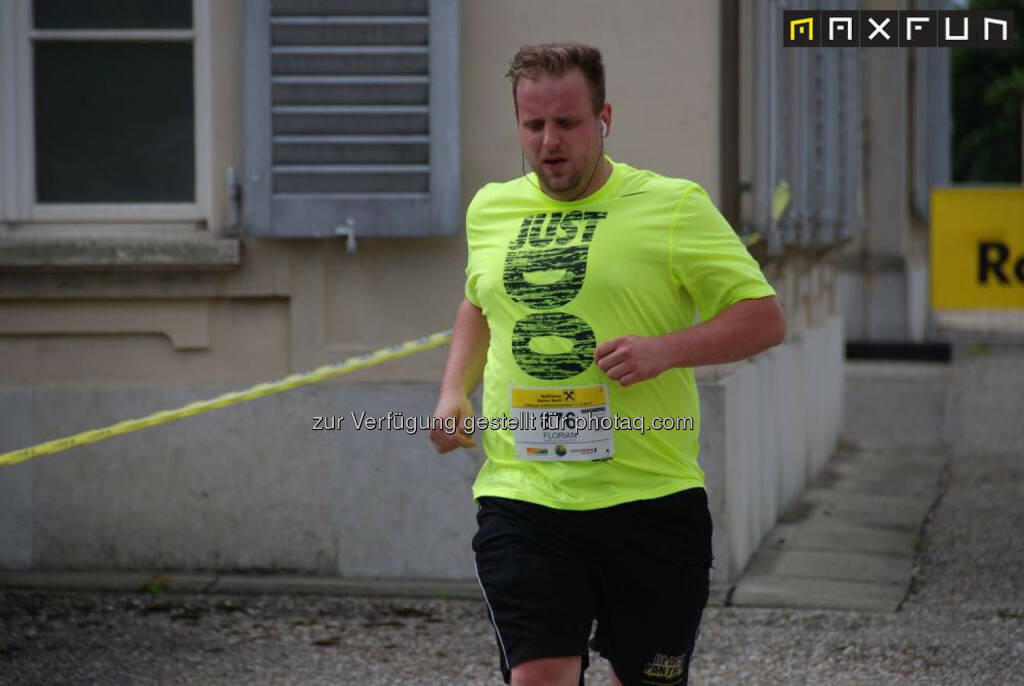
pixel 225 106
pixel 883 273
pixel 769 426
pixel 874 277
pixel 311 300
pixel 253 488
pixel 661 61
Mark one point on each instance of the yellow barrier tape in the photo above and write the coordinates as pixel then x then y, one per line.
pixel 780 199
pixel 258 391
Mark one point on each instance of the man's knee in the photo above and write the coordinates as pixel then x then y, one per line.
pixel 548 671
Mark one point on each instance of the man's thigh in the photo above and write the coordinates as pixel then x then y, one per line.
pixel 540 592
pixel 654 586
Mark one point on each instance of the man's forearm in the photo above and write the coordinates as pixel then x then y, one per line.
pixel 736 333
pixel 467 351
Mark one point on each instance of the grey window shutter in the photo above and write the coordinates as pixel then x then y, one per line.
pixel 351 118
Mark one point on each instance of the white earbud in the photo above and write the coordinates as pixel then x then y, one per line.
pixel 604 129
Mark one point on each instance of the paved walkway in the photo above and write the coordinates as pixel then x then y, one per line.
pixel 962 622
pixel 849 541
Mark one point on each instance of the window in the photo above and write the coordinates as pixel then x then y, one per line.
pixel 351 118
pixel 108 119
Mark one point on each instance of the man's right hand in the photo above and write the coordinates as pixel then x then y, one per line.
pixel 452 405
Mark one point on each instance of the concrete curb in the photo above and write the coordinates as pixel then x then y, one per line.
pixel 139 582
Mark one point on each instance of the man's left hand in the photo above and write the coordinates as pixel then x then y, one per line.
pixel 629 359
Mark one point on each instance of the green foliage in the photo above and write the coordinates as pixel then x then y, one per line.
pixel 157 585
pixel 988 89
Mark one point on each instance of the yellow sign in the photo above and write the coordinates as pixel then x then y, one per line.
pixel 977 248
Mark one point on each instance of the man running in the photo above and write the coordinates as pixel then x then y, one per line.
pixel 584 282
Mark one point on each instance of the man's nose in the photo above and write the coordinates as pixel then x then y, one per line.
pixel 551 138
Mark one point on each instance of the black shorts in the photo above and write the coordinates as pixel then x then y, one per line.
pixel 640 569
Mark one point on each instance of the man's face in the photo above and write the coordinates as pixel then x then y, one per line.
pixel 560 135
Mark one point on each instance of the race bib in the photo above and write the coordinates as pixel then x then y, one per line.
pixel 562 424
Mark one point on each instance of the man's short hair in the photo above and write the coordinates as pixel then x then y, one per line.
pixel 555 59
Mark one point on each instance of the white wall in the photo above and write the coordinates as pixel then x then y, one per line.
pixel 254 488
pixel 768 427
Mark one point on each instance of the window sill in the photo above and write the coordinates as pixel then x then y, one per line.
pixel 191 250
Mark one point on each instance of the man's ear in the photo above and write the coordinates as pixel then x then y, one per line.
pixel 605 115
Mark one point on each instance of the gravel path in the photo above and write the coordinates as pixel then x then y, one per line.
pixel 963 623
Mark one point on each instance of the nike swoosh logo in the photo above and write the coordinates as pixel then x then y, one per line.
pixel 626 195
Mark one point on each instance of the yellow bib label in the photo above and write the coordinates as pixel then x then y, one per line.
pixel 562 424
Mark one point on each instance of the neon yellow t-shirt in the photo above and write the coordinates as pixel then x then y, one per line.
pixel 641 256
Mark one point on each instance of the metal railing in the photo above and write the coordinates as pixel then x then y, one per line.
pixel 807 135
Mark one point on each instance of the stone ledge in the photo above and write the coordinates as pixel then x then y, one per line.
pixel 192 250
pixel 801 592
pixel 241 584
pixel 996 325
pixel 258 584
pixel 897 371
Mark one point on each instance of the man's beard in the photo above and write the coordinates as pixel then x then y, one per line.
pixel 572 186
pixel 567 185
pixel 564 185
